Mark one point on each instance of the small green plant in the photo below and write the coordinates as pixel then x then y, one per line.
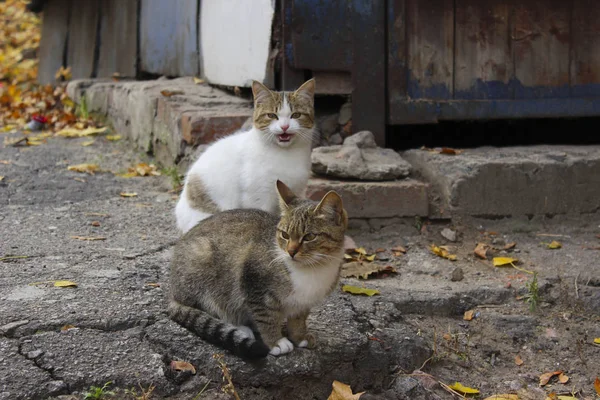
pixel 418 223
pixel 82 108
pixel 176 178
pixel 99 393
pixel 145 394
pixel 533 295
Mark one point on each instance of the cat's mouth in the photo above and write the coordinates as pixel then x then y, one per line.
pixel 284 137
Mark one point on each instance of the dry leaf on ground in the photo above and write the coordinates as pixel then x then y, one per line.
pixel 481 250
pixel 442 251
pixel 504 261
pixel 450 151
pixel 562 378
pixel 1 177
pixel 65 284
pixel 88 238
pixel 183 366
pixel 459 387
pixel 518 360
pixel 113 138
pixel 545 378
pixel 75 132
pixel 84 168
pixel 87 143
pixel 360 270
pixel 358 290
pixel 341 391
pixel 597 340
pixel 597 386
pixel 67 327
pixel 398 250
pixel 503 397
pixel 509 246
pixel 198 81
pixel 95 223
pixel 125 194
pixel 141 169
pixel 469 315
pixel 554 245
pixel 359 254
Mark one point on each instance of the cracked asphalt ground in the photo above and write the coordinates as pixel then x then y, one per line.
pixel 120 331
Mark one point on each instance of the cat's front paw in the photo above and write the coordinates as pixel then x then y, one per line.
pixel 282 347
pixel 308 342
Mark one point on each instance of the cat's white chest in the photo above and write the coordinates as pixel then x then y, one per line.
pixel 310 286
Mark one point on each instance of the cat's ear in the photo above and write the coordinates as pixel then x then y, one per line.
pixel 260 92
pixel 286 196
pixel 307 89
pixel 333 201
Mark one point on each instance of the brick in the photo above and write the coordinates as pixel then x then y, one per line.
pixel 513 181
pixel 203 129
pixel 405 198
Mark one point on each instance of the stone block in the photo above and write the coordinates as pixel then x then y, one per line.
pixel 406 198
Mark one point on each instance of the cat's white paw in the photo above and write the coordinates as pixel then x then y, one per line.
pixel 303 343
pixel 246 331
pixel 282 347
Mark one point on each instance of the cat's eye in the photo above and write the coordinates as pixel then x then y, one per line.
pixel 309 237
pixel 285 235
pixel 296 115
pixel 272 116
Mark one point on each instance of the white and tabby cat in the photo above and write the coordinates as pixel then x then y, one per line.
pixel 238 276
pixel 239 171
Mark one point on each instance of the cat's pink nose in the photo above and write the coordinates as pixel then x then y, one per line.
pixel 285 127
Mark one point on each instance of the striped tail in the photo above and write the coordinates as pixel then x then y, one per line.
pixel 217 332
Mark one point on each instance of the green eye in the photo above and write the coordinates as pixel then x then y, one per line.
pixel 309 237
pixel 296 115
pixel 285 235
pixel 272 116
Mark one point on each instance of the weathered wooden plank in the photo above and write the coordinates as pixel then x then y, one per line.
pixel 169 37
pixel 541 40
pixel 118 38
pixel 430 40
pixel 333 82
pixel 585 49
pixel 55 26
pixel 368 71
pixel 397 78
pixel 83 29
pixel 291 77
pixel 483 54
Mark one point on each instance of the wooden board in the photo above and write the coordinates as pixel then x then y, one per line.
pixel 541 40
pixel 55 26
pixel 483 53
pixel 83 29
pixel 430 40
pixel 118 38
pixel 396 36
pixel 169 37
pixel 585 49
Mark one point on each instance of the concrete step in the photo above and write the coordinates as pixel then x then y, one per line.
pixel 512 181
pixel 190 115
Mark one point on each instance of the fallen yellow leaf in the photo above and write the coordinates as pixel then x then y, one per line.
pixel 198 81
pixel 503 397
pixel 113 138
pixel 459 387
pixel 1 177
pixel 469 315
pixel 597 386
pixel 87 143
pixel 67 327
pixel 183 366
pixel 74 132
pixel 562 378
pixel 169 93
pixel 518 360
pixel 443 252
pixel 65 284
pixel 88 238
pixel 361 250
pixel 566 398
pixel 358 290
pixel 341 391
pixel 361 270
pixel 503 261
pixel 125 194
pixel 545 378
pixel 64 73
pixel 597 340
pixel 141 169
pixel 554 245
pixel 84 168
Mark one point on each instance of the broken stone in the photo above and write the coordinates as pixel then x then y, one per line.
pixel 336 138
pixel 34 354
pixel 345 114
pixel 9 329
pixel 350 161
pixel 457 275
pixel 449 234
pixel 362 139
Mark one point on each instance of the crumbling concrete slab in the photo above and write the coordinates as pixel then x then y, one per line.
pixel 513 181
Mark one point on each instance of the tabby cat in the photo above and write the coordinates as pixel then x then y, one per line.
pixel 238 276
pixel 238 171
